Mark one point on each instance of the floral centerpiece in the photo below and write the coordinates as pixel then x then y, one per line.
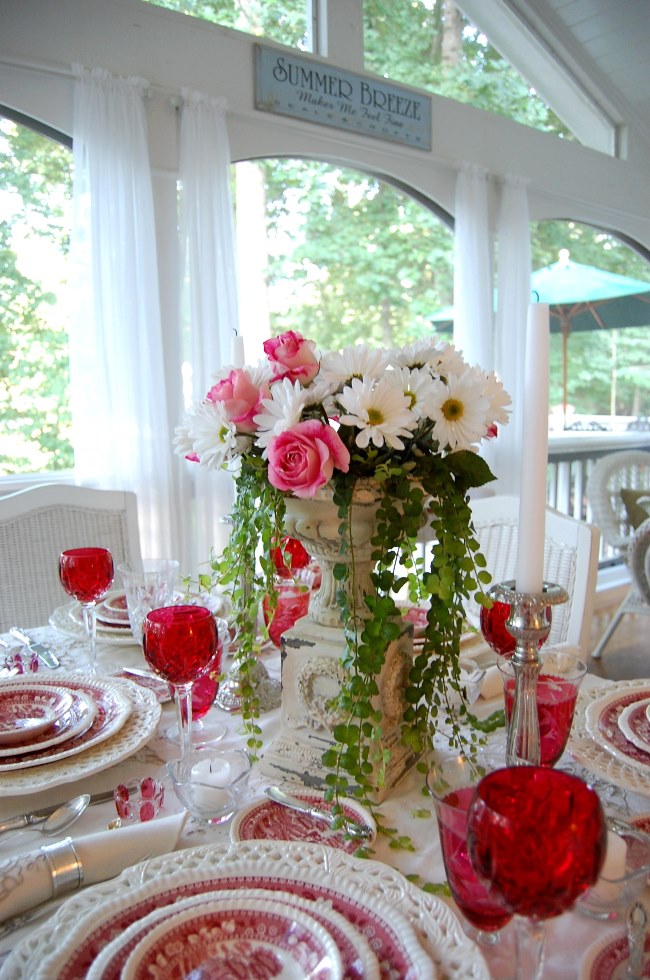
pixel 408 421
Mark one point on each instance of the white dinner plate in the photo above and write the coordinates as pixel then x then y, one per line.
pixel 139 727
pixel 112 708
pixel 67 619
pixel 357 958
pixel 602 719
pixel 590 751
pixel 236 936
pixel 27 709
pixel 74 935
pixel 635 724
pixel 76 722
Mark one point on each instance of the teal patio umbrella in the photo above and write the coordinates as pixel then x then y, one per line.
pixel 580 297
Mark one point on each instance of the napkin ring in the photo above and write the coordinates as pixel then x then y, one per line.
pixel 65 867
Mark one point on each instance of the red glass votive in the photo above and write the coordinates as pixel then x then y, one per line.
pixel 558 683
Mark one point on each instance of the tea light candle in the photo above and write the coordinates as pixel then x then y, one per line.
pixel 237 351
pixel 534 457
pixel 607 887
pixel 212 772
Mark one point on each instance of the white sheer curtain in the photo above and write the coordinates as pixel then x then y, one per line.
pixel 121 430
pixel 514 297
pixel 210 283
pixel 473 300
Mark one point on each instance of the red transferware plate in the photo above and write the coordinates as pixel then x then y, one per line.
pixel 28 709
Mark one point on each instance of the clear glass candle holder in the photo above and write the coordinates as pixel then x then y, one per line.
pixel 211 784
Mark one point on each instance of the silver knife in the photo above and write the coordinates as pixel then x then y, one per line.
pixel 44 654
pixel 38 816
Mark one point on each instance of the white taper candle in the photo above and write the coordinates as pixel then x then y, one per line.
pixel 534 455
pixel 237 352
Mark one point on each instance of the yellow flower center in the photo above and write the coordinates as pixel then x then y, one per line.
pixel 453 409
pixel 411 397
pixel 375 417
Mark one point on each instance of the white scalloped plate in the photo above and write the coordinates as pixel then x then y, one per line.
pixel 67 619
pixel 243 934
pixel 592 754
pixel 635 724
pixel 136 731
pixel 358 960
pixel 276 862
pixel 608 959
pixel 113 707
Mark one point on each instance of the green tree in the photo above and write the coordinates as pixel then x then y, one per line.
pixel 34 417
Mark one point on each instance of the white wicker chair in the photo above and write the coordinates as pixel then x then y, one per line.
pixel 627 469
pixel 615 472
pixel 37 524
pixel 570 560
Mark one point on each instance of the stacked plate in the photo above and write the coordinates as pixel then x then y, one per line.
pixel 56 729
pixel 611 733
pixel 112 620
pixel 254 909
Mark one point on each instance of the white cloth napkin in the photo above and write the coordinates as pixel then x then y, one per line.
pixel 26 880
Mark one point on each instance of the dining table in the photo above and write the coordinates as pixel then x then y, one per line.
pixel 410 875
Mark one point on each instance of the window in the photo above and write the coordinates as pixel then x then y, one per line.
pixel 347 255
pixel 284 21
pixel 35 192
pixel 429 44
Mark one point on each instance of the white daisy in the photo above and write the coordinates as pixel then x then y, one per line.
pixel 417 385
pixel 282 410
pixel 355 361
pixel 209 434
pixel 380 410
pixel 498 398
pixel 419 353
pixel 459 409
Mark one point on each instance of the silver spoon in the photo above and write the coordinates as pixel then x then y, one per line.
pixel 62 818
pixel 358 831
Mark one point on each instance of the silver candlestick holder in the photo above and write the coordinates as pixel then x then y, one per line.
pixel 529 623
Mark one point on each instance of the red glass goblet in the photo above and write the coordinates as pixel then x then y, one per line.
pixel 289 556
pixel 538 836
pixel 180 644
pixel 204 692
pixel 493 627
pixel 558 683
pixel 452 784
pixel 292 605
pixel 87 574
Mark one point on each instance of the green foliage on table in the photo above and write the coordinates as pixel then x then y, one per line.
pixel 429 488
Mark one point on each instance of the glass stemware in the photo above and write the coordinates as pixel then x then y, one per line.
pixel 180 644
pixel 452 783
pixel 558 682
pixel 538 836
pixel 87 574
pixel 205 731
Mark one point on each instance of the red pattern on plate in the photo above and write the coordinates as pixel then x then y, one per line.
pixel 109 708
pixel 271 821
pixel 608 725
pixel 28 709
pixel 382 935
pixel 611 960
pixel 77 720
pixel 228 943
pixel 348 944
pixel 638 724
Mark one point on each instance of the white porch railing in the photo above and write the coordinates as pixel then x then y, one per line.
pixel 571 457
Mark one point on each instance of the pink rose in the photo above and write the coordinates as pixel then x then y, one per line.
pixel 292 357
pixel 240 398
pixel 302 459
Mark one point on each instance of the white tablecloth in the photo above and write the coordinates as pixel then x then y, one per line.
pixel 406 809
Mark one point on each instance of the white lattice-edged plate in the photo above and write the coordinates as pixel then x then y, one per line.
pixel 436 926
pixel 358 960
pixel 136 731
pixel 67 619
pixel 591 754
